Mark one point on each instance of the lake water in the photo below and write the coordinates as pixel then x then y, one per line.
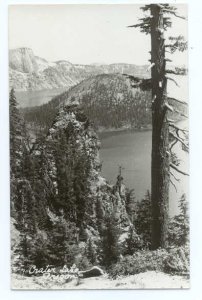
pixel 36 98
pixel 132 150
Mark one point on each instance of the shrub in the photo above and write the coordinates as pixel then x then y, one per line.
pixel 172 261
pixel 140 261
pixel 177 261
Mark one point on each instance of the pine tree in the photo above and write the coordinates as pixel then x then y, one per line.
pixel 16 148
pixel 155 25
pixel 111 249
pixel 91 252
pixel 143 219
pixel 178 234
pixel 134 242
pixel 99 214
pixel 15 129
pixel 130 204
pixel 65 160
pixel 62 246
pixel 24 205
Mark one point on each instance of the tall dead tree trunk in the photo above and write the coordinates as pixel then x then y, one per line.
pixel 160 132
pixel 162 156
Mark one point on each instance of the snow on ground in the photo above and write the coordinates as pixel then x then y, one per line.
pixel 146 280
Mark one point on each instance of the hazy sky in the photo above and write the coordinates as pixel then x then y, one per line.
pixel 84 33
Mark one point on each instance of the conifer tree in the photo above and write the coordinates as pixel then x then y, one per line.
pixel 111 250
pixel 143 219
pixel 178 234
pixel 130 204
pixel 134 242
pixel 16 149
pixel 99 214
pixel 90 252
pixel 156 24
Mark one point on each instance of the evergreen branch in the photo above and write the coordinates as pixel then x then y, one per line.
pixel 167 59
pixel 144 26
pixel 144 84
pixel 178 71
pixel 177 100
pixel 178 128
pixel 169 78
pixel 180 113
pixel 178 170
pixel 146 7
pixel 135 26
pixel 179 140
pixel 146 19
pixel 173 144
pixel 180 46
pixel 170 120
pixel 177 179
pixel 173 184
pixel 177 38
pixel 167 6
pixel 173 13
pixel 169 107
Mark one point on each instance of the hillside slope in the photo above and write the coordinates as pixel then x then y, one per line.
pixel 108 100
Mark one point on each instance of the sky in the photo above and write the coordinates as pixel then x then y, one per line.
pixel 85 33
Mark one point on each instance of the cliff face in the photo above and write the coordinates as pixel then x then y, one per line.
pixel 23 60
pixel 30 72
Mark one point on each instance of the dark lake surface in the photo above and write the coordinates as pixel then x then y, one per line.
pixel 132 150
pixel 36 98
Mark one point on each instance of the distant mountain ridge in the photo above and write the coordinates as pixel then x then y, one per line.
pixel 30 72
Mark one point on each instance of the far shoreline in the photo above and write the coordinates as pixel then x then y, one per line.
pixel 103 133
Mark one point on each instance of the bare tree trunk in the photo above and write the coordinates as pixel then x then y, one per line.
pixel 160 133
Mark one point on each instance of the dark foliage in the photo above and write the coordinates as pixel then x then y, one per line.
pixel 133 243
pixel 110 246
pixel 178 234
pixel 142 219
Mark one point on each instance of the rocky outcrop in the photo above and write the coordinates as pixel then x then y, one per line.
pixel 23 60
pixel 81 150
pixel 93 272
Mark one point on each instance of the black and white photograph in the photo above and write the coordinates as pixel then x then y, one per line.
pixel 99 146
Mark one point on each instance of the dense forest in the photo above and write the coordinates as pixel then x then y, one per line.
pixel 64 212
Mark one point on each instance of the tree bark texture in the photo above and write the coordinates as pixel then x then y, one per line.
pixel 160 133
